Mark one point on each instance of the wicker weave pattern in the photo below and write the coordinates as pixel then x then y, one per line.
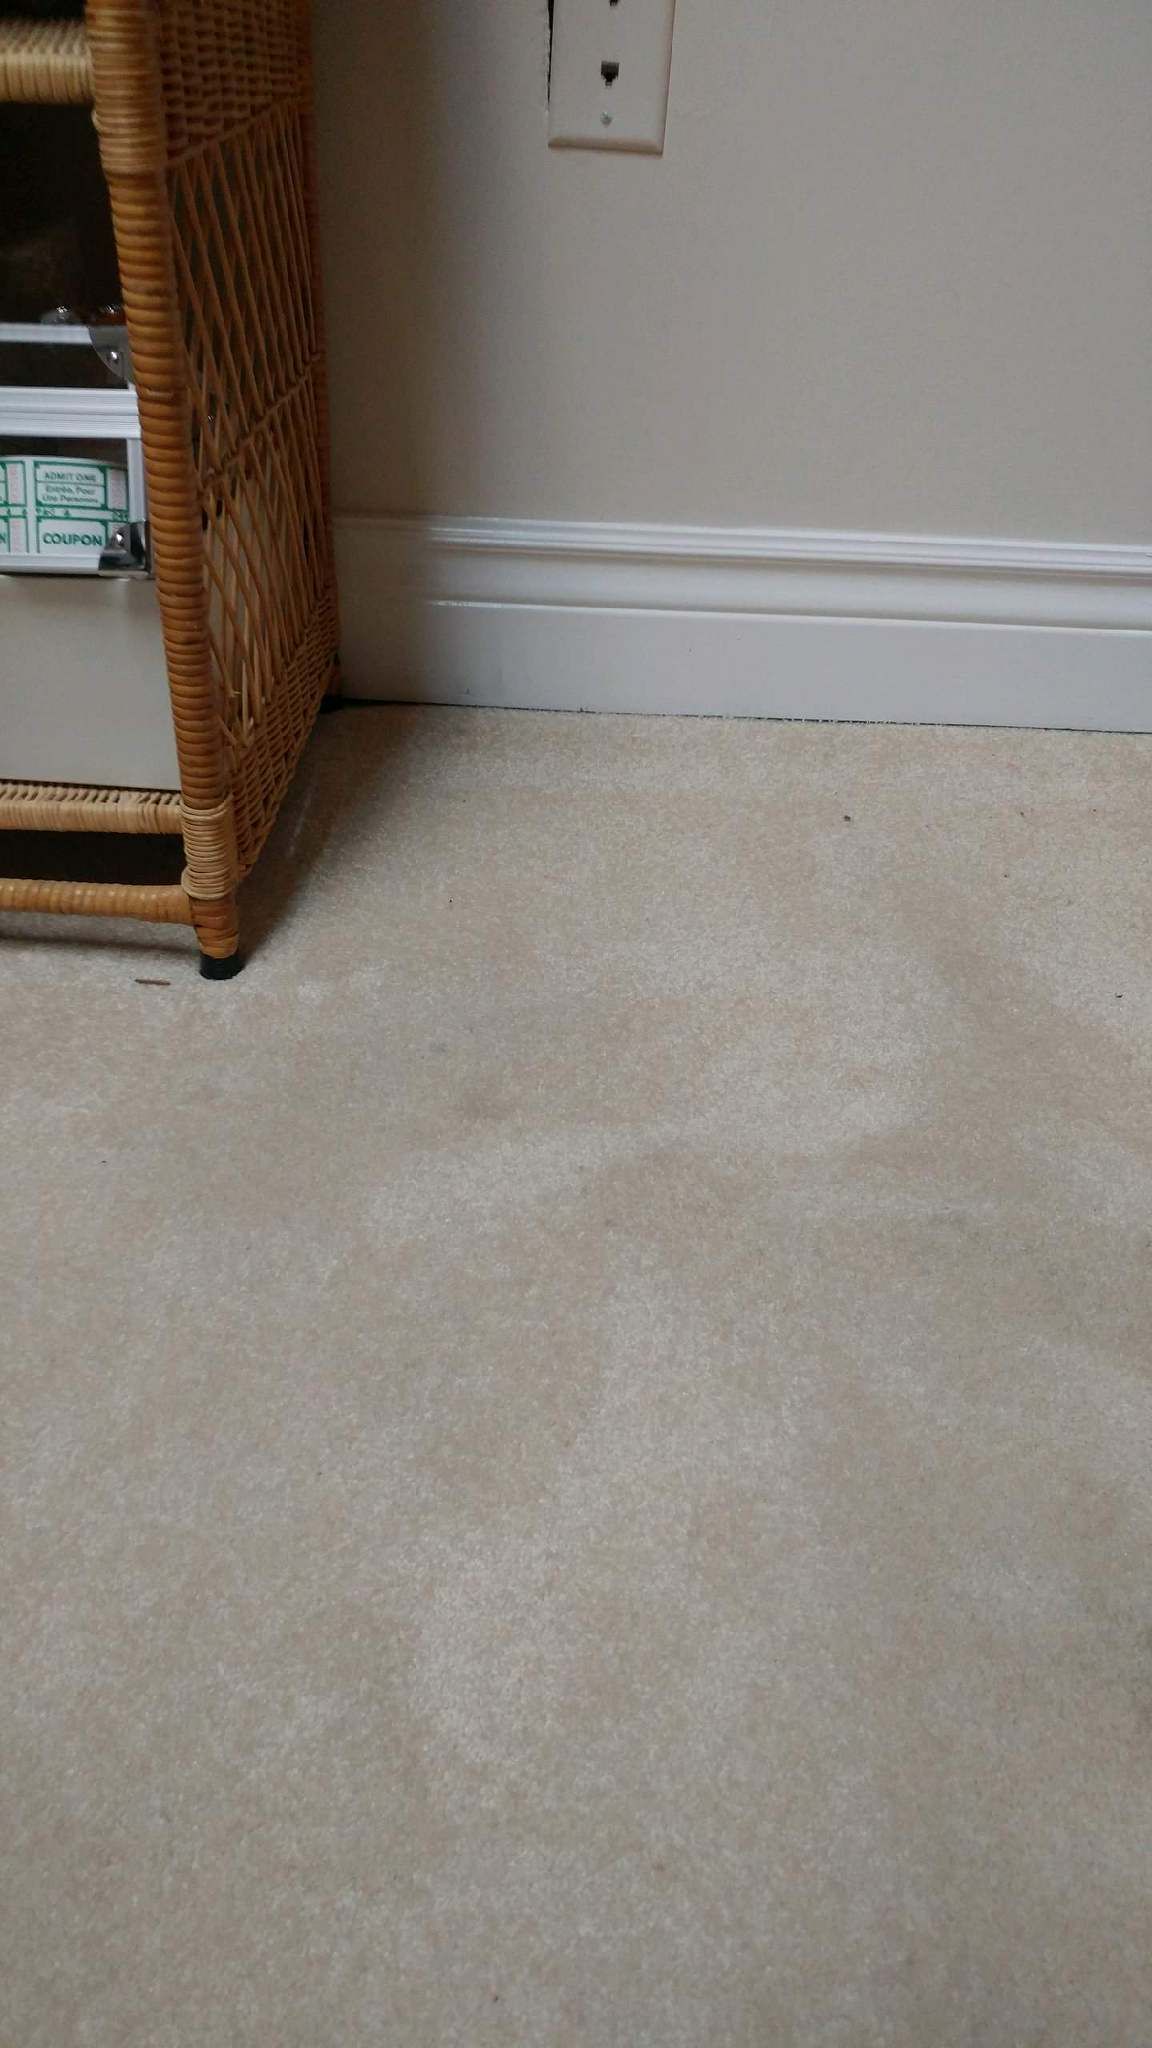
pixel 204 117
pixel 224 62
pixel 245 280
pixel 66 807
pixel 252 347
pixel 45 62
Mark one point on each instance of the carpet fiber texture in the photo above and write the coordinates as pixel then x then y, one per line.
pixel 579 1440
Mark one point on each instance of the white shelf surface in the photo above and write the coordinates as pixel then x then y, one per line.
pixel 41 331
pixel 69 413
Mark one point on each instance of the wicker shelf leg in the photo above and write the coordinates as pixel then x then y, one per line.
pixel 218 932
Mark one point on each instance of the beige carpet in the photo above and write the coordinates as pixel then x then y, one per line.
pixel 579 1440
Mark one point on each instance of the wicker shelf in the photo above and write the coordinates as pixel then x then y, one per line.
pixel 203 110
pixel 45 63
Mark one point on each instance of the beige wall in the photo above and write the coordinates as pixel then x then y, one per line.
pixel 893 272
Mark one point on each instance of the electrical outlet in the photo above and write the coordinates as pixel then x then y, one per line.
pixel 610 66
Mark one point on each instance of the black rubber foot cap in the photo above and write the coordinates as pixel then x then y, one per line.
pixel 220 970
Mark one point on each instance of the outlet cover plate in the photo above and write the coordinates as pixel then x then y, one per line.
pixel 588 107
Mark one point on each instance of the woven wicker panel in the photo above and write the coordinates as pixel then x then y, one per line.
pixel 236 92
pixel 204 109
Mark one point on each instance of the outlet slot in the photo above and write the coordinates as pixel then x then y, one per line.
pixel 609 81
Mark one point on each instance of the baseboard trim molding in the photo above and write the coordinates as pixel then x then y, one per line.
pixel 567 616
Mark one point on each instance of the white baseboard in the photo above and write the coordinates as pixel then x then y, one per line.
pixel 745 622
